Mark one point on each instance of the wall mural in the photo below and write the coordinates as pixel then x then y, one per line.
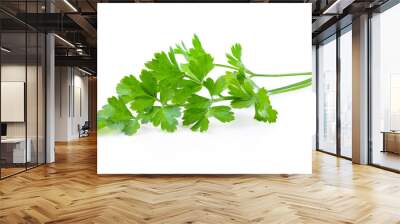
pixel 204 89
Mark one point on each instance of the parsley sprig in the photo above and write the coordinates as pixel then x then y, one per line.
pixel 168 90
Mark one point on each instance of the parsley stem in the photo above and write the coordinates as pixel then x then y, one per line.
pixel 277 75
pixel 194 80
pixel 223 98
pixel 225 66
pixel 252 74
pixel 291 87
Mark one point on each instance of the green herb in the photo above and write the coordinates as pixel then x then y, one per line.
pixel 168 90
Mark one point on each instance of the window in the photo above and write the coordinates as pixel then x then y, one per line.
pixel 22 77
pixel 385 89
pixel 327 96
pixel 346 92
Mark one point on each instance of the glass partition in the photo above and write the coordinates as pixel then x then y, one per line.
pixel 32 96
pixel 385 89
pixel 327 96
pixel 14 153
pixel 41 97
pixel 346 93
pixel 23 89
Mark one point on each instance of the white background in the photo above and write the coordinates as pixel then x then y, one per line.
pixel 276 38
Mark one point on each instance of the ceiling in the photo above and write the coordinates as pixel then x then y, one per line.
pixel 75 21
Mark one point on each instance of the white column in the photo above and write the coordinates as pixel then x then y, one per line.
pixel 50 100
pixel 360 90
pixel 50 92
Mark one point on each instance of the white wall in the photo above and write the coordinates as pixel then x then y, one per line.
pixel 70 83
pixel 80 109
pixel 62 82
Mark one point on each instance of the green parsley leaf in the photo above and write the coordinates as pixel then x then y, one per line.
pixel 167 90
pixel 196 113
pixel 129 88
pixel 219 86
pixel 201 125
pixel 263 108
pixel 149 83
pixel 184 89
pixel 199 110
pixel 242 98
pixel 142 102
pixel 196 101
pixel 167 117
pixel 210 85
pixel 236 50
pixel 131 127
pixel 222 113
pixel 215 88
pixel 116 115
pixel 242 89
pixel 200 63
pixel 164 67
pixel 235 58
pixel 197 117
pixel 145 116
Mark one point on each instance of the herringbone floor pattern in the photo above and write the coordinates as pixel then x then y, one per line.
pixel 70 191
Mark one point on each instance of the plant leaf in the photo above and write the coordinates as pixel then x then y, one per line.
pixel 242 90
pixel 201 125
pixel 146 115
pixel 263 109
pixel 167 90
pixel 220 85
pixel 196 113
pixel 166 72
pixel 197 117
pixel 129 88
pixel 166 117
pixel 235 58
pixel 199 110
pixel 149 83
pixel 210 85
pixel 116 115
pixel 185 89
pixel 242 103
pixel 196 42
pixel 142 102
pixel 196 101
pixel 236 50
pixel 131 127
pixel 200 63
pixel 236 89
pixel 222 113
pixel 215 88
pixel 162 67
